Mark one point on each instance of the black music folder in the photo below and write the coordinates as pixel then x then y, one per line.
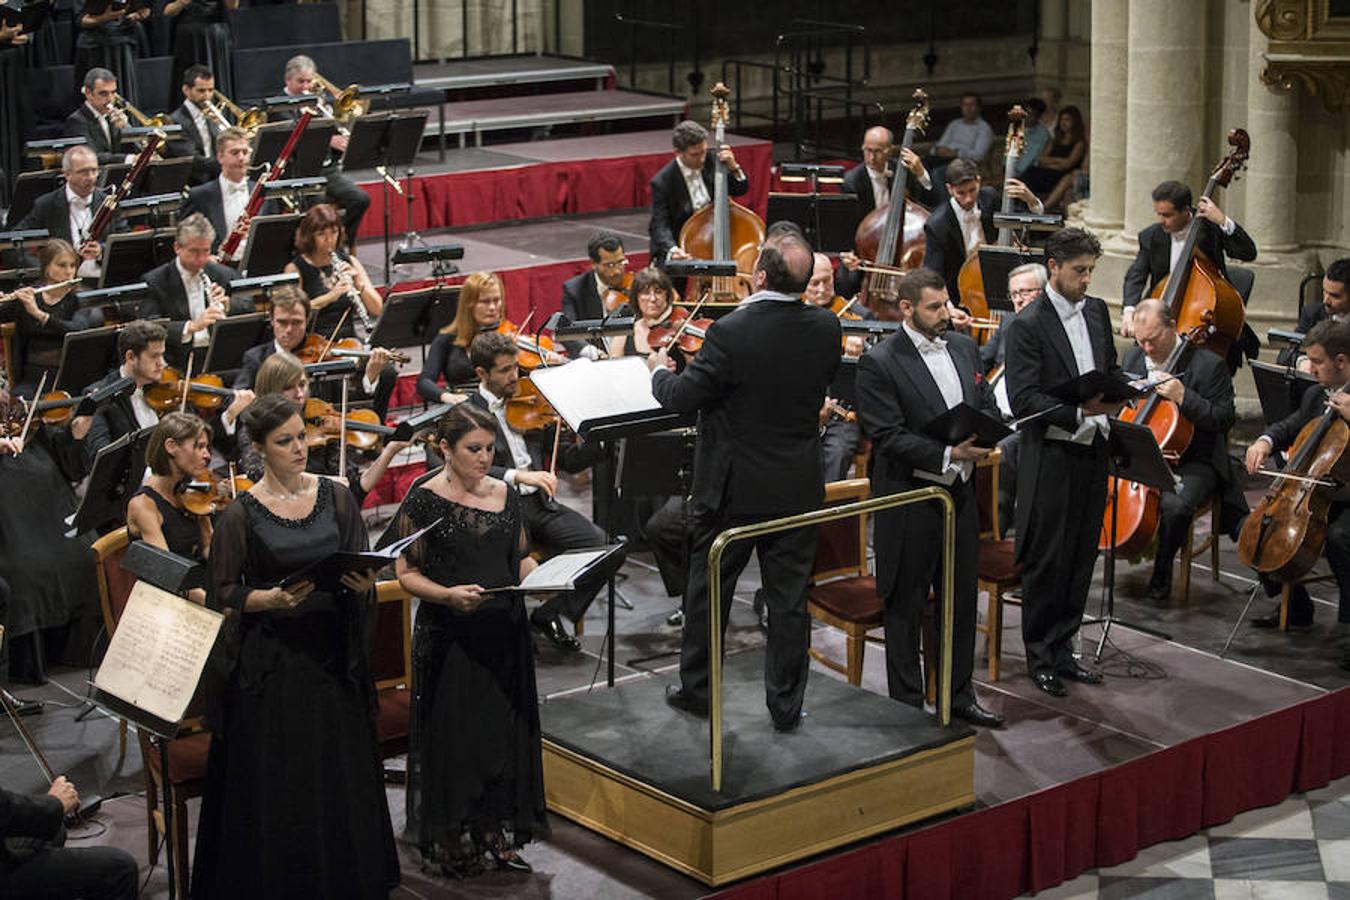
pixel 1077 391
pixel 327 573
pixel 963 421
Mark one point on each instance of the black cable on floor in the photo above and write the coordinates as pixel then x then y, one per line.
pixel 1123 664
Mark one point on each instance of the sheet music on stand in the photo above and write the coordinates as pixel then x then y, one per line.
pixel 609 398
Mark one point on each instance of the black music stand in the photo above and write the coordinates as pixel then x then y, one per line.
pixel 130 254
pixel 310 154
pixel 269 245
pixel 118 470
pixel 124 300
pixel 412 318
pixel 160 208
pixel 1134 456
pixel 231 338
pixel 829 221
pixel 844 388
pixel 1279 388
pixel 386 142
pixel 995 264
pixel 86 356
pixel 29 186
pixel 163 176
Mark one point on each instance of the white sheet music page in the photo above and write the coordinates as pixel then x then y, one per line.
pixel 559 573
pixel 157 653
pixel 585 389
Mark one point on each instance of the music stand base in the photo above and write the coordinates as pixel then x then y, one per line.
pixel 1110 619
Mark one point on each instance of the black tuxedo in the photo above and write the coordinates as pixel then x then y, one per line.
pixel 757 385
pixel 671 206
pixel 112 420
pixel 52 212
pixel 204 165
pixel 82 123
pixel 1061 485
pixel 167 298
pixel 896 397
pixel 1205 467
pixel 206 199
pixel 49 869
pixel 945 250
pixel 581 300
pixel 858 181
pixel 253 359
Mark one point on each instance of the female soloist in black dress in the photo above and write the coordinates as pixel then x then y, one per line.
pixel 294 803
pixel 475 766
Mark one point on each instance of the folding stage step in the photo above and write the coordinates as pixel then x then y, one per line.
pixel 477 117
pixel 517 71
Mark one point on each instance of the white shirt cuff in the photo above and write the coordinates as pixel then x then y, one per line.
pixel 1229 226
pixel 946 458
pixel 187 335
pixel 1038 208
pixel 510 477
pixel 227 424
pixel 367 385
pixel 591 352
pixel 925 181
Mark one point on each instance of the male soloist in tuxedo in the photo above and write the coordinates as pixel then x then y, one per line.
pixel 1328 349
pixel 1061 475
pixel 224 199
pixel 685 184
pixel 757 384
pixel 1161 243
pixel 1203 391
pixel 583 295
pixel 198 137
pixel 190 291
pixel 67 211
pixel 522 462
pixel 97 121
pixel 904 383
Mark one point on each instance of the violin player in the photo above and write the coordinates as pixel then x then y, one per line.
pixel 583 296
pixel 140 347
pixel 1203 391
pixel 1328 348
pixel 684 185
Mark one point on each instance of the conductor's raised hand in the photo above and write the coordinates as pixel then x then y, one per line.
pixel 465 597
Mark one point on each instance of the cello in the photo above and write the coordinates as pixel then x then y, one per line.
pixel 970 280
pixel 896 229
pixel 723 230
pixel 1199 299
pixel 1285 533
pixel 1135 506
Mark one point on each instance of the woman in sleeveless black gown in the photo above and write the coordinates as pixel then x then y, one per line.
pixel 475 765
pixel 319 237
pixel 294 803
pixel 201 35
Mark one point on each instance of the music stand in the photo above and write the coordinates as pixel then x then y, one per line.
pixel 1134 456
pixel 311 152
pixel 995 264
pixel 231 338
pixel 160 208
pixel 382 142
pixel 125 300
pixel 29 186
pixel 163 176
pixel 844 388
pixel 118 470
pixel 130 254
pixel 407 318
pixel 269 244
pixel 1279 388
pixel 86 356
pixel 829 221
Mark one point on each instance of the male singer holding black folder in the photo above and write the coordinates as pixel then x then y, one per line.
pixel 1061 476
pixel 903 384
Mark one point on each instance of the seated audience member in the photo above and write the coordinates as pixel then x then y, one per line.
pixel 1051 178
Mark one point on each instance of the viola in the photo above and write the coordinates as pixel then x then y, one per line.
pixel 680 330
pixel 527 410
pixel 533 351
pixel 617 297
pixel 323 424
pixel 205 393
pixel 844 309
pixel 316 349
pixel 892 236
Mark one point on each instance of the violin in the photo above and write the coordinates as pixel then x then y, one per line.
pixel 843 309
pixel 533 351
pixel 204 494
pixel 205 393
pixel 527 410
pixel 617 297
pixel 316 349
pixel 323 423
pixel 680 330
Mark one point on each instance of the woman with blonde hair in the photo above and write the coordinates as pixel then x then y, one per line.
pixel 482 307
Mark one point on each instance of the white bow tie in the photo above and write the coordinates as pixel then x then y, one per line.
pixel 233 188
pixel 934 345
pixel 80 203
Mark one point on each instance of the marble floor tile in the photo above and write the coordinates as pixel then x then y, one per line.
pixel 1290 819
pixel 1331 819
pixel 1186 858
pixel 1156 889
pixel 1269 890
pixel 1335 859
pixel 1265 859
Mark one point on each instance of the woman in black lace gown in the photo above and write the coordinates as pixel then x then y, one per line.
pixel 294 803
pixel 475 765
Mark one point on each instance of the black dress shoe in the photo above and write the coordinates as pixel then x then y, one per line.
pixel 1049 683
pixel 675 619
pixel 787 726
pixel 677 698
pixel 509 860
pixel 1159 592
pixel 1272 620
pixel 976 714
pixel 1079 674
pixel 761 610
pixel 553 632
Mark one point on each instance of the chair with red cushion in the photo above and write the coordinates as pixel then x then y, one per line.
pixel 842 593
pixel 997 568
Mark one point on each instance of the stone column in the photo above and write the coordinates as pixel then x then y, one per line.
pixel 1110 24
pixel 1165 112
pixel 1272 120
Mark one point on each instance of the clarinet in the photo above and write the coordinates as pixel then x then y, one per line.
pixel 340 268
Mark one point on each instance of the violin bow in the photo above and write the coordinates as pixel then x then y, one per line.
pixel 187 379
pixel 25 735
pixel 674 338
pixel 234 489
pixel 328 345
pixel 27 422
pixel 342 433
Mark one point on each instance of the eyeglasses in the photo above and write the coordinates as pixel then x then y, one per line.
pixel 612 264
pixel 1024 292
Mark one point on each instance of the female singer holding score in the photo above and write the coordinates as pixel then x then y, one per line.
pixel 179 447
pixel 475 765
pixel 294 803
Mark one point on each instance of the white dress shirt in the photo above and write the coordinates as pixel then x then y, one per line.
pixel 693 180
pixel 881 192
pixel 104 125
pixel 198 298
pixel 590 351
pixel 1179 240
pixel 972 229
pixel 203 129
pixel 81 217
pixel 234 196
pixel 520 454
pixel 938 359
pixel 145 416
pixel 1071 316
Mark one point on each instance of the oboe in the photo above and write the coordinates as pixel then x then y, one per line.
pixel 342 270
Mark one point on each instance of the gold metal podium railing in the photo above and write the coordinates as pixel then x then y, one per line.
pixel 817 517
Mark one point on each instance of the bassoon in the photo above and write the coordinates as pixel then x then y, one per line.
pixel 230 247
pixel 103 219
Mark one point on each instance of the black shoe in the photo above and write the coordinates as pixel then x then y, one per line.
pixel 976 714
pixel 1049 683
pixel 1159 591
pixel 553 631
pixel 677 698
pixel 1271 619
pixel 787 726
pixel 675 619
pixel 1075 672
pixel 509 860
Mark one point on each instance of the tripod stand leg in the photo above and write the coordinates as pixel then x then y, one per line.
pixel 1242 616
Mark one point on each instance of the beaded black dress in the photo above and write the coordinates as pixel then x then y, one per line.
pixel 294 803
pixel 475 759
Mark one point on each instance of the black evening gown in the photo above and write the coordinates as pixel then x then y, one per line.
pixel 13 61
pixel 114 46
pixel 294 803
pixel 318 280
pixel 475 756
pixel 181 532
pixel 201 35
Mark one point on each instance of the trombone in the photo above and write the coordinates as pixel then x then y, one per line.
pixel 157 121
pixel 250 120
pixel 347 105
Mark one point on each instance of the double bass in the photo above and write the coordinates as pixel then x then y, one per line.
pixel 970 280
pixel 891 236
pixel 1200 300
pixel 723 230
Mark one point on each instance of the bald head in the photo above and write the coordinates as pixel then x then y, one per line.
pixel 876 147
pixel 1153 330
pixel 784 264
pixel 1154 310
pixel 820 289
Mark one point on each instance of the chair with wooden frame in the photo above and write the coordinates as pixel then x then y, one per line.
pixel 7 331
pixel 842 593
pixel 997 568
pixel 187 754
pixel 391 667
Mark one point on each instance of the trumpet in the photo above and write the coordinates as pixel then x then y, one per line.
pixel 157 121
pixel 249 120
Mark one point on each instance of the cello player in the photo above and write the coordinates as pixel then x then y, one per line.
pixel 1203 391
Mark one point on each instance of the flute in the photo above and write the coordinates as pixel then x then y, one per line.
pixel 44 289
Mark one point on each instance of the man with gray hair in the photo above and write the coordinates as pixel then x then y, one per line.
pixel 190 291
pixel 685 185
pixel 1024 283
pixel 97 121
pixel 345 193
pixel 67 211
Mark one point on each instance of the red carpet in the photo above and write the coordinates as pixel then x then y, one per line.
pixel 1043 839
